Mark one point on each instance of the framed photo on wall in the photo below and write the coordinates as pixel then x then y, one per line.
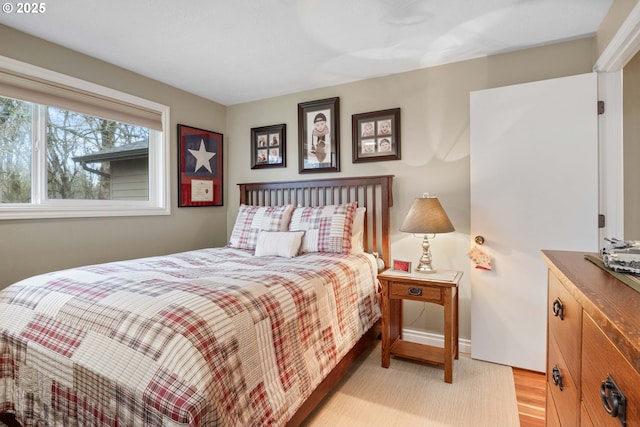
pixel 376 136
pixel 199 167
pixel 319 135
pixel 268 146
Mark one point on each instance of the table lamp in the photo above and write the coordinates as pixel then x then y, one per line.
pixel 426 216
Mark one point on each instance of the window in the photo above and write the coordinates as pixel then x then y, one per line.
pixel 69 148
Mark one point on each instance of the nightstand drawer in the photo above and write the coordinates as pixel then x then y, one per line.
pixel 420 293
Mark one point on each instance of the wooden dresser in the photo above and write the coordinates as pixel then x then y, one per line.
pixel 593 345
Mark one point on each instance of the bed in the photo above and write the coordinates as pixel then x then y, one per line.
pixel 253 333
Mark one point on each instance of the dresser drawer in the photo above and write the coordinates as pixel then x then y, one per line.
pixel 551 414
pixel 566 393
pixel 600 359
pixel 415 292
pixel 585 419
pixel 565 323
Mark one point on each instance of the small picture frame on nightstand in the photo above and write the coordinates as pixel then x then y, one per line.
pixel 400 265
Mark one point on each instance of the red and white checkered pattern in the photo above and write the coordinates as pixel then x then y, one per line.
pixel 327 228
pixel 253 219
pixel 202 338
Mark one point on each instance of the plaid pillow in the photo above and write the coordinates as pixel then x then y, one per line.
pixel 252 219
pixel 327 228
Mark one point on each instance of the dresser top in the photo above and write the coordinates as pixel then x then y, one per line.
pixel 613 305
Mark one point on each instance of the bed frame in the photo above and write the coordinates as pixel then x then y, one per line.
pixel 372 192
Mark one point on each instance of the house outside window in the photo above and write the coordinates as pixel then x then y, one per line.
pixel 79 149
pixel 124 170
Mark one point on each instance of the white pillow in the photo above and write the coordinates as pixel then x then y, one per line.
pixel 357 231
pixel 279 243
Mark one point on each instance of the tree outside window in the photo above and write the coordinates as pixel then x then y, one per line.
pixel 85 155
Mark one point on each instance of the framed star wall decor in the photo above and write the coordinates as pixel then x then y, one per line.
pixel 199 167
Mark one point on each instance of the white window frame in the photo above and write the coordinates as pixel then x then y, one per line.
pixel 159 202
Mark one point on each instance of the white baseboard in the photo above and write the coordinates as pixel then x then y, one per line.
pixel 436 340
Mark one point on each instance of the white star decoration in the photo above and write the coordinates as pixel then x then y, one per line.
pixel 203 157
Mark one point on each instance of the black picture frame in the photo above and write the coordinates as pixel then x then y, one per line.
pixel 199 167
pixel 319 135
pixel 269 146
pixel 376 136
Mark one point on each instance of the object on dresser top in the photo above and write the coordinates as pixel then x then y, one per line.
pixel 622 256
pixel 631 280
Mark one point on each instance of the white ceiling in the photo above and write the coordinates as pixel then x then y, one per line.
pixel 234 51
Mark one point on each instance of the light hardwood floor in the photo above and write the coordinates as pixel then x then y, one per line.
pixel 530 393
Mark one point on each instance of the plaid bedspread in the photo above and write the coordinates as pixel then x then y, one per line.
pixel 202 338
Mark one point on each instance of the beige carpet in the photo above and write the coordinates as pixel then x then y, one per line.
pixel 411 394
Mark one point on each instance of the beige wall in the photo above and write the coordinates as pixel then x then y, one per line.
pixel 615 17
pixel 34 246
pixel 631 132
pixel 435 159
pixel 434 106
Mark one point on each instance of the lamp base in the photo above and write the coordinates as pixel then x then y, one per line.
pixel 424 264
pixel 425 268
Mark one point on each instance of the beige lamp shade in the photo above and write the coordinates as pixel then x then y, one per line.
pixel 426 216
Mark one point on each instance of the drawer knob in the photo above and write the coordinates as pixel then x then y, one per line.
pixel 557 377
pixel 558 309
pixel 416 292
pixel 614 402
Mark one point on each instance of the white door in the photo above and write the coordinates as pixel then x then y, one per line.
pixel 534 186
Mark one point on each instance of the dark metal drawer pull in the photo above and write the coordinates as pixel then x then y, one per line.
pixel 613 400
pixel 558 309
pixel 416 292
pixel 557 377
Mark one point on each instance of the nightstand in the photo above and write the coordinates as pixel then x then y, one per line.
pixel 439 288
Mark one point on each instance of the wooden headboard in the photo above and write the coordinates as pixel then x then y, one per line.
pixel 372 192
